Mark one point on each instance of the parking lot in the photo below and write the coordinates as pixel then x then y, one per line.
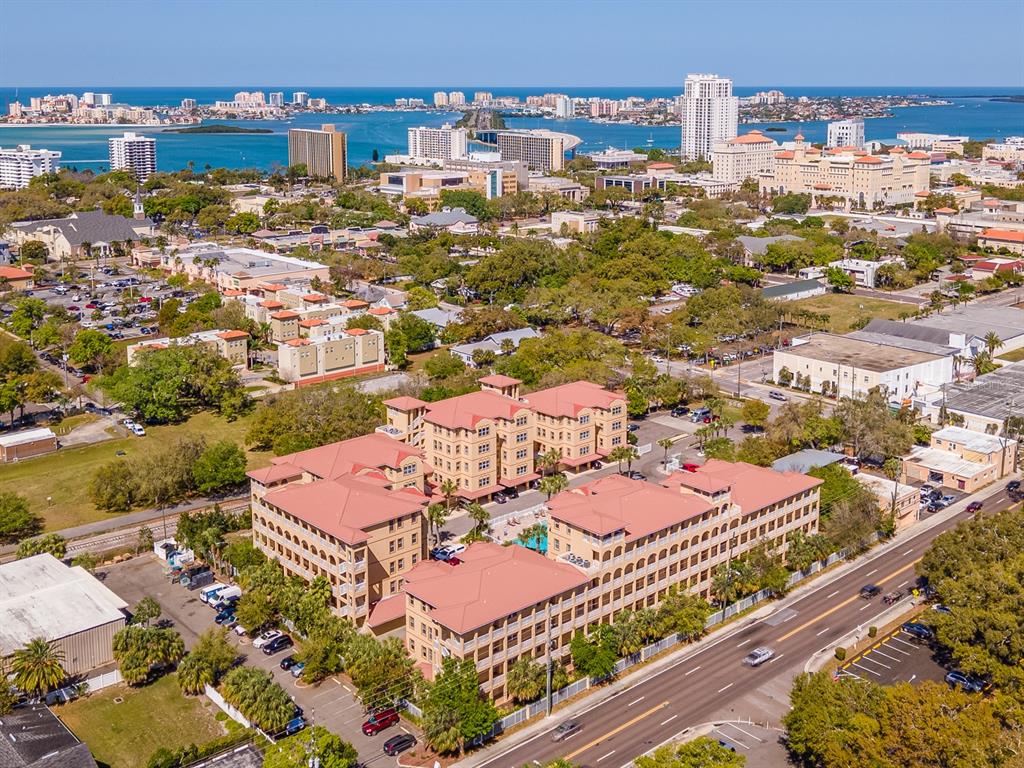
pixel 898 657
pixel 762 746
pixel 331 704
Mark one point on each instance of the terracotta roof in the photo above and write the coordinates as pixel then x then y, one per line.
pixel 990 203
pixel 275 472
pixel 822 186
pixel 1001 265
pixel 369 452
pixel 345 506
pixel 869 160
pixel 754 137
pixel 919 156
pixel 314 298
pixel 751 487
pixel 14 273
pixel 356 331
pixel 945 210
pixel 228 335
pixel 287 314
pixel 785 155
pixel 273 287
pixel 962 188
pixel 405 403
pixel 271 304
pixel 798 137
pixel 497 380
pixel 382 311
pixel 298 342
pixel 312 322
pixel 354 303
pixel 617 503
pixel 386 611
pixel 897 151
pixel 922 193
pixel 1004 234
pixel 230 292
pixel 570 399
pixel 490 583
pixel 466 411
pixel 660 166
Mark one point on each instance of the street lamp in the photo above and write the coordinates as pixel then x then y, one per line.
pixel 728 574
pixel 547 708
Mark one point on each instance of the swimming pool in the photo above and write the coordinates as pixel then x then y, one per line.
pixel 537 543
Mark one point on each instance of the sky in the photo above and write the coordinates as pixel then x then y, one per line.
pixel 497 43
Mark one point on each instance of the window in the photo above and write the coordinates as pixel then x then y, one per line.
pixel 584 419
pixel 617 410
pixel 483 482
pixel 413 539
pixel 617 440
pixel 585 434
pixel 391 567
pixel 521 470
pixel 391 546
pixel 521 453
pixel 409 469
pixel 483 448
pixel 584 450
pixel 521 437
pixel 616 425
pixel 520 421
pixel 485 464
pixel 483 432
pixel 401 563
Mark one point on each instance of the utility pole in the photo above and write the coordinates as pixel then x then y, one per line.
pixel 1005 437
pixel 547 708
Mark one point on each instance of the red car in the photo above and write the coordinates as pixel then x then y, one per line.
pixel 380 720
pixel 90 305
pixel 974 506
pixel 691 467
pixel 145 299
pixel 452 561
pixel 709 419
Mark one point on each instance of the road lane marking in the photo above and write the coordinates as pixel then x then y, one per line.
pixel 687 674
pixel 832 595
pixel 666 722
pixel 865 607
pixel 776 658
pixel 636 701
pixel 902 584
pixel 870 572
pixel 843 604
pixel 744 642
pixel 602 757
pixel 617 729
pixel 907 552
pixel 727 687
pixel 822 632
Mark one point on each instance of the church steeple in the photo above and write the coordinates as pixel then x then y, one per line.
pixel 138 210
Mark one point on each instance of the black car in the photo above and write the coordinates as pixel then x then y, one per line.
pixel 869 591
pixel 288 662
pixel 1013 485
pixel 632 427
pixel 511 493
pixel 277 644
pixel 634 475
pixel 680 410
pixel 399 743
pixel 918 631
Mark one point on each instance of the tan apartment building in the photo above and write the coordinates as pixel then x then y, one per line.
pixel 335 355
pixel 863 181
pixel 233 346
pixel 742 158
pixel 630 542
pixel 541 150
pixel 351 511
pixel 488 440
pixel 323 152
pixel 962 459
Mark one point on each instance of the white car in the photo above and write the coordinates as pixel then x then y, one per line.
pixel 128 423
pixel 139 430
pixel 758 656
pixel 454 550
pixel 266 637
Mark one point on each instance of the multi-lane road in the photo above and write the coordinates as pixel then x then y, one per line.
pixel 708 683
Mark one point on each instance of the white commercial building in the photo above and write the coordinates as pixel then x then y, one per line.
pixel 133 152
pixel 456 99
pixel 277 99
pixel 846 133
pixel 300 98
pixel 745 157
pixel 444 143
pixel 709 113
pixel 563 107
pixel 440 99
pixel 916 140
pixel 20 164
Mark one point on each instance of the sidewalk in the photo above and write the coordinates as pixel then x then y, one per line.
pixel 674 658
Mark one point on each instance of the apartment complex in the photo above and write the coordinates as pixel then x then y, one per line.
pixel 745 157
pixel 444 143
pixel 233 346
pixel 486 441
pixel 629 543
pixel 350 511
pixel 709 114
pixel 1010 150
pixel 329 354
pixel 323 152
pixel 238 268
pixel 133 152
pixel 541 149
pixel 20 164
pixel 846 133
pixel 859 179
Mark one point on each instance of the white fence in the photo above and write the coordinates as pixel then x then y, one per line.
pixel 105 680
pixel 230 711
pixel 538 510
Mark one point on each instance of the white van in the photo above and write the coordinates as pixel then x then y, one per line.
pixel 209 594
pixel 224 594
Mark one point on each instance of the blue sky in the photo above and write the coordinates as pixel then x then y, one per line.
pixel 497 43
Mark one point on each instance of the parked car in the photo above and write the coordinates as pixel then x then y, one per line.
pixel 511 493
pixel 758 656
pixel 225 616
pixel 139 430
pixel 454 549
pixel 776 395
pixel 380 720
pixel 297 669
pixel 688 467
pixel 399 743
pixel 632 427
pixel 965 682
pixel 680 410
pixel 869 591
pixel 974 506
pixel 453 561
pixel 288 662
pixel 266 637
pixel 918 631
pixel 1013 485
pixel 565 730
pixel 294 726
pixel 634 475
pixel 500 498
pixel 277 644
pixel 948 499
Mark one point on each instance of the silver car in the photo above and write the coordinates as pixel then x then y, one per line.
pixel 565 730
pixel 758 656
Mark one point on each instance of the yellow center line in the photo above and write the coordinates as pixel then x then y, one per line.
pixel 845 602
pixel 614 731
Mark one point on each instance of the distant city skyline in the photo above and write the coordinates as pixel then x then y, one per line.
pixel 578 44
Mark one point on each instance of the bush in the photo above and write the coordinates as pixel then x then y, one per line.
pixel 841 653
pixel 872 631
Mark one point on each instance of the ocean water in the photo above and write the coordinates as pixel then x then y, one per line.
pixel 972 113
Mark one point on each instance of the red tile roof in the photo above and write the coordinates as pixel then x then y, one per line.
pixel 945 210
pixel 1004 234
pixel 498 380
pixel 919 156
pixel 869 160
pixel 785 155
pixel 275 472
pixel 228 335
pixel 466 411
pixel 617 503
pixel 314 298
pixel 14 273
pixel 287 314
pixel 660 166
pixel 491 583
pixel 405 403
pixel 570 399
pixel 312 322
pixel 354 303
pixel 751 487
pixel 298 342
pixel 754 137
pixel 231 292
pixel 356 331
pixel 273 287
pixel 372 451
pixel 386 611
pixel 382 311
pixel 271 304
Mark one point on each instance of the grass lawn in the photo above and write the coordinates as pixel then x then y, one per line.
pixel 63 477
pixel 844 309
pixel 1015 356
pixel 158 715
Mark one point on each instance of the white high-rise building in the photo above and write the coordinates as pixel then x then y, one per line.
pixel 103 99
pixel 456 98
pixel 277 99
pixel 300 98
pixel 188 103
pixel 444 143
pixel 709 113
pixel 133 152
pixel 440 99
pixel 846 133
pixel 563 107
pixel 20 164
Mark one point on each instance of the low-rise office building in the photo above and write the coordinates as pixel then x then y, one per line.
pixel 575 222
pixel 495 343
pixel 962 459
pixel 454 220
pixel 334 354
pixel 1011 240
pixel 67 238
pixel 232 345
pixel 239 268
pixel 986 403
pixel 27 443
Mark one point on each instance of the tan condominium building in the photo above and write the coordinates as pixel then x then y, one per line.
pixel 542 150
pixel 859 179
pixel 350 511
pixel 614 545
pixel 334 355
pixel 233 346
pixel 323 152
pixel 745 157
pixel 484 442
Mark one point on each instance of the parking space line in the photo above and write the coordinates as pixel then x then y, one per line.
pixel 869 671
pixel 875 661
pixel 893 648
pixel 881 653
pixel 901 640
pixel 748 733
pixel 732 739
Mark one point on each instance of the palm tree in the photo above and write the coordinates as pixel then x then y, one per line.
pixel 958 360
pixel 437 516
pixel 992 342
pixel 442 732
pixel 549 460
pixel 982 363
pixel 620 454
pixel 553 484
pixel 666 443
pixel 893 468
pixel 38 667
pixel 526 680
pixel 480 517
pixel 194 674
pixel 448 488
